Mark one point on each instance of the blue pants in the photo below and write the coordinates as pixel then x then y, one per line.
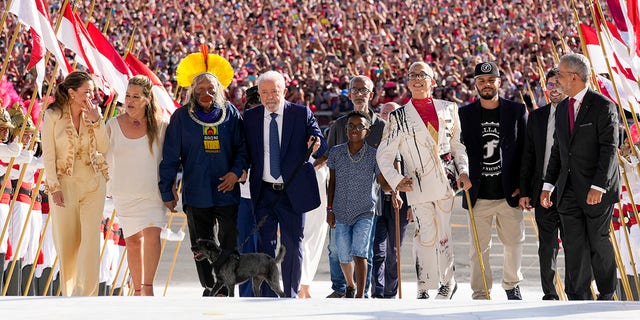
pixel 246 223
pixel 291 233
pixel 338 283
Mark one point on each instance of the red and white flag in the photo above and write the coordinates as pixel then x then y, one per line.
pixel 163 98
pixel 33 13
pixel 95 52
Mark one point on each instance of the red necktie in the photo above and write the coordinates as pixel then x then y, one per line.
pixel 572 117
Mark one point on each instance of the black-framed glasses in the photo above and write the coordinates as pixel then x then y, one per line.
pixel 419 76
pixel 359 127
pixel 360 90
pixel 553 85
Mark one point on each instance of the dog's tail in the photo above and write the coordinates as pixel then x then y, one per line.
pixel 281 252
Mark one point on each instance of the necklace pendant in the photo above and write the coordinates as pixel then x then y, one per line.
pixel 136 123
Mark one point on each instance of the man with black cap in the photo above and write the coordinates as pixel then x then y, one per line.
pixel 493 130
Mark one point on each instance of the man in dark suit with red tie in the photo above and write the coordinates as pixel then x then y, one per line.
pixel 537 150
pixel 584 169
pixel 278 135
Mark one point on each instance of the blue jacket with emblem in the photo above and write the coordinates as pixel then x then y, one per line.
pixel 184 146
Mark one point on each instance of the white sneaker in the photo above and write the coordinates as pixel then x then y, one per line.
pixel 446 291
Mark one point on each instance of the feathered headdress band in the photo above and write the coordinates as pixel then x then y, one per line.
pixel 204 62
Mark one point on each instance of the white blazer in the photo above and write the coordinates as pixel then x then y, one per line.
pixel 407 135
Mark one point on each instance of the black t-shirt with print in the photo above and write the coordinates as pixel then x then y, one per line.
pixel 491 180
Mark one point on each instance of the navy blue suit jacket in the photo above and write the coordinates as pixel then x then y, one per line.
pixel 513 122
pixel 298 125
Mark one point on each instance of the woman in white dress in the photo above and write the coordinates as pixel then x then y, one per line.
pixel 136 138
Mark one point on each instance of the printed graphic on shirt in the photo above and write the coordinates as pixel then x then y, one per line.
pixel 491 165
pixel 210 139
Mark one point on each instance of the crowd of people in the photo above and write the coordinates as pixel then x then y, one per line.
pixel 428 57
pixel 319 44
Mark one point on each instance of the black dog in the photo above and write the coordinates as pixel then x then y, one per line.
pixel 231 268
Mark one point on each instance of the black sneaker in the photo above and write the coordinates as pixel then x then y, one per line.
pixel 423 295
pixel 514 294
pixel 351 293
pixel 550 296
pixel 446 291
pixel 207 292
pixel 336 294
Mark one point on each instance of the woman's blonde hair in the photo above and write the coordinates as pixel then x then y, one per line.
pixel 151 110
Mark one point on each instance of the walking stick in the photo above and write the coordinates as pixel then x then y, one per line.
pixel 398 246
pixel 175 254
pixel 474 231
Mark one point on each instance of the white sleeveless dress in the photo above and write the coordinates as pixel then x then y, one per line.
pixel 134 180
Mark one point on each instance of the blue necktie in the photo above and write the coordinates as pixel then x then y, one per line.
pixel 274 147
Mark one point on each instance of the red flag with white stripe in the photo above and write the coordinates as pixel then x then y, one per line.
pixel 94 51
pixel 33 13
pixel 163 98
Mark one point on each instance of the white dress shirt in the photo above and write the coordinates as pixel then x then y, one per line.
pixel 551 128
pixel 266 173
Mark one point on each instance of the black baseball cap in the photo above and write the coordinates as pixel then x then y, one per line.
pixel 486 69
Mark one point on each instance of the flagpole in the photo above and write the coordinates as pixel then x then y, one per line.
pixel 624 223
pixel 618 257
pixel 5 15
pixel 12 44
pixel 543 79
pixel 93 5
pixel 631 108
pixel 130 43
pixel 106 25
pixel 43 232
pixel 609 69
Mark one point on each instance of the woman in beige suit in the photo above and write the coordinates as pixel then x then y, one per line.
pixel 74 139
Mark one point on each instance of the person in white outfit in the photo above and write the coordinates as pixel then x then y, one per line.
pixel 136 139
pixel 426 133
pixel 315 232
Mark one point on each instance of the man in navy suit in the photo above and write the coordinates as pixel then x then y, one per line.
pixel 278 135
pixel 540 128
pixel 493 131
pixel 584 169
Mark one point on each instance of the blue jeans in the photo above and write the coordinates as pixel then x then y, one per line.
pixel 338 283
pixel 353 240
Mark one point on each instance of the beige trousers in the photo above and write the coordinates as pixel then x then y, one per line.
pixel 432 246
pixel 510 227
pixel 76 230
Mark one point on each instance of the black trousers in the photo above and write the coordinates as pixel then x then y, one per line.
pixel 202 222
pixel 548 222
pixel 588 251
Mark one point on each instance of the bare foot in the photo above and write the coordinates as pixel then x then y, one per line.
pixel 304 292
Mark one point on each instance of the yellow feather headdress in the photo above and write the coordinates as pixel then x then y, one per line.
pixel 196 64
